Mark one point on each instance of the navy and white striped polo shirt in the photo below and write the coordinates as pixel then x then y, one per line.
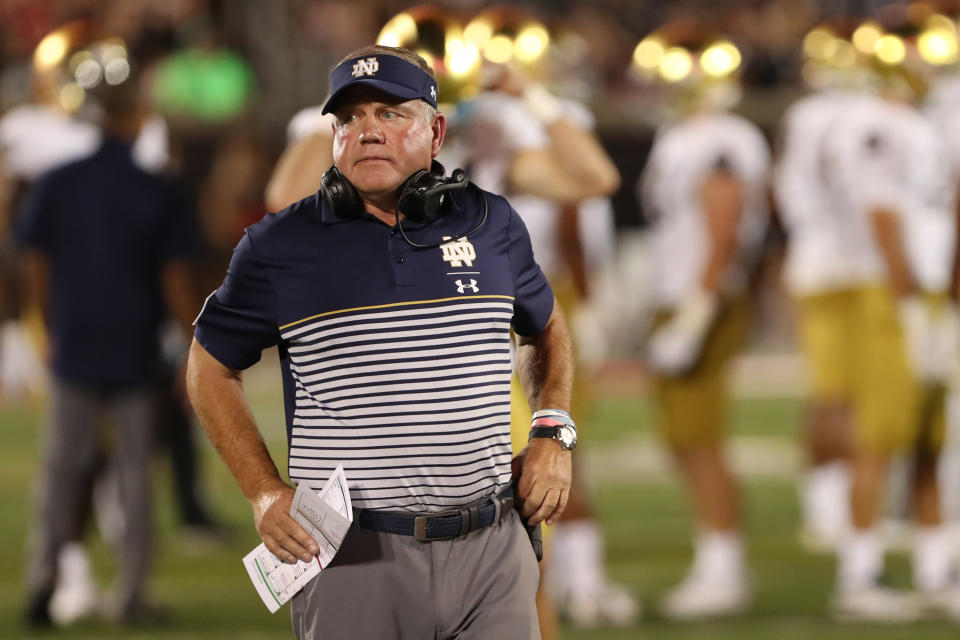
pixel 396 360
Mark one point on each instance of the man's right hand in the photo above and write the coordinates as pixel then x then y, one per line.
pixel 283 535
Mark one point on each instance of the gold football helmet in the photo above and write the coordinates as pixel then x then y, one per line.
pixel 693 65
pixel 74 60
pixel 437 36
pixel 905 45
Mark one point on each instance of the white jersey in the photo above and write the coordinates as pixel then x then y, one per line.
pixel 885 155
pixel 683 155
pixel 818 257
pixel 35 138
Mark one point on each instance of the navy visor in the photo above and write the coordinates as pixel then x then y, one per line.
pixel 390 74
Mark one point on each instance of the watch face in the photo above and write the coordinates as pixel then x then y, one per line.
pixel 568 437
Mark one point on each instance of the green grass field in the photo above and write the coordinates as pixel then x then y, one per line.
pixel 639 502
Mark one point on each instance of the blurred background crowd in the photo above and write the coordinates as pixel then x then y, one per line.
pixel 700 179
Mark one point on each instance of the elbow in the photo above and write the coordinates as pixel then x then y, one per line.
pixel 602 182
pixel 601 185
pixel 609 181
pixel 274 197
pixel 606 178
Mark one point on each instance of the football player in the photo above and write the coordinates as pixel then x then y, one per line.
pixel 822 279
pixel 887 169
pixel 518 139
pixel 942 106
pixel 704 190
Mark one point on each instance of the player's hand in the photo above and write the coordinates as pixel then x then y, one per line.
pixel 947 332
pixel 542 473
pixel 283 535
pixel 932 338
pixel 675 347
pixel 505 78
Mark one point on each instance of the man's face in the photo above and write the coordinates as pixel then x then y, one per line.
pixel 379 141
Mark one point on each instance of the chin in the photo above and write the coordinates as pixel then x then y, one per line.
pixel 379 182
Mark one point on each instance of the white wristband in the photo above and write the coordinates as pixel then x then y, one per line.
pixel 551 413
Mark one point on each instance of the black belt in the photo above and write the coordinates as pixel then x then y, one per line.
pixel 443 525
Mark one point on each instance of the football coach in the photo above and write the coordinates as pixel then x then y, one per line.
pixel 391 294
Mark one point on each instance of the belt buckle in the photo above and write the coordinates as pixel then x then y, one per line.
pixel 420 526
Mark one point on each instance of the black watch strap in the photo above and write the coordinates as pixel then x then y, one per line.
pixel 544 432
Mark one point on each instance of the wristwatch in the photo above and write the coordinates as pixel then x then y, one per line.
pixel 565 434
pixel 556 424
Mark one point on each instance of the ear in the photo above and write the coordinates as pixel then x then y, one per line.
pixel 439 128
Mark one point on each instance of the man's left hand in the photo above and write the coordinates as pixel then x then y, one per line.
pixel 542 473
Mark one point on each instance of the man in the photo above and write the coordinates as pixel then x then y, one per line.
pixel 520 140
pixel 822 275
pixel 704 189
pixel 107 254
pixel 890 172
pixel 393 330
pixel 941 108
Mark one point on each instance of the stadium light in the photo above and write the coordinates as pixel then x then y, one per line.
pixel 531 43
pixel 648 54
pixel 890 49
pixel 865 37
pixel 676 64
pixel 720 59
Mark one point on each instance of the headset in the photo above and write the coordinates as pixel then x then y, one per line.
pixel 422 198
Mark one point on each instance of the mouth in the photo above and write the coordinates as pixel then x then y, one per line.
pixel 372 159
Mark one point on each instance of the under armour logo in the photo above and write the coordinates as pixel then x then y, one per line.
pixel 462 288
pixel 366 67
pixel 433 92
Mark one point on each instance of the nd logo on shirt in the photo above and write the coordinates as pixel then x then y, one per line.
pixel 458 253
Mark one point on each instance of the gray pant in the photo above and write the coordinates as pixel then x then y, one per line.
pixel 383 586
pixel 72 443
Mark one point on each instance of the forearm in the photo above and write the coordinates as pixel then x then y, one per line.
pixel 574 153
pixel 887 232
pixel 581 156
pixel 220 402
pixel 298 172
pixel 545 365
pixel 722 203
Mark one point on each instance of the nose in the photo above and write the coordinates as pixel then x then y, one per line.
pixel 371 132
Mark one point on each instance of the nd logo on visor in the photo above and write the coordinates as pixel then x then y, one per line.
pixel 367 67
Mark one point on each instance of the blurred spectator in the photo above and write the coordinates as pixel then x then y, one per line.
pixel 107 250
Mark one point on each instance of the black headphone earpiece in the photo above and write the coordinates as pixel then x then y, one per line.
pixel 340 195
pixel 422 194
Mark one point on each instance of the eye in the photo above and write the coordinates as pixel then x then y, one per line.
pixel 347 119
pixel 390 115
